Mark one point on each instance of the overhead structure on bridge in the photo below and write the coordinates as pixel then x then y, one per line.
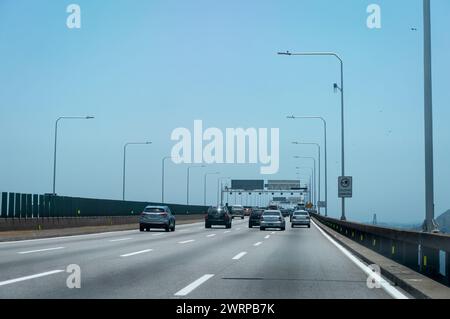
pixel 260 193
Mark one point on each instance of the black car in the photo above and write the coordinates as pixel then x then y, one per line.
pixel 255 218
pixel 285 212
pixel 218 216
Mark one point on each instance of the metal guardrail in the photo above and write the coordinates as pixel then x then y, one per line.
pixel 426 253
pixel 16 205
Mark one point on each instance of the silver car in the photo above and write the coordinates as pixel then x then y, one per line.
pixel 301 218
pixel 237 211
pixel 157 217
pixel 272 219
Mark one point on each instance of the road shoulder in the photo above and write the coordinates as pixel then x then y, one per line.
pixel 414 283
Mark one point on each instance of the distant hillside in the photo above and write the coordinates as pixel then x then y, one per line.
pixel 444 222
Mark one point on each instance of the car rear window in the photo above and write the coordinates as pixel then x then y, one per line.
pixel 154 210
pixel 271 214
pixel 301 213
pixel 215 211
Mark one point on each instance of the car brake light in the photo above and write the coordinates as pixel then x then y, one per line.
pixel 164 214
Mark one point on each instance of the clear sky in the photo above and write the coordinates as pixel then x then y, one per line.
pixel 144 68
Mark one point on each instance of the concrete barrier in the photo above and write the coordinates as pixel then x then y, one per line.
pixel 11 224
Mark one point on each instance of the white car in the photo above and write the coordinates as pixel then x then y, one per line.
pixel 301 218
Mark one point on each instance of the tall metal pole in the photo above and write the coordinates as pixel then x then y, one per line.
pixel 54 157
pixel 220 190
pixel 123 170
pixel 324 122
pixel 343 217
pixel 314 178
pixel 56 140
pixel 429 224
pixel 162 177
pixel 204 186
pixel 124 163
pixel 318 154
pixel 187 189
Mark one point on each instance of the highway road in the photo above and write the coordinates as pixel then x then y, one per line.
pixel 192 262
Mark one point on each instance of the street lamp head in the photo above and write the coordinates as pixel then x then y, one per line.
pixel 291 117
pixel 148 142
pixel 89 117
pixel 335 87
pixel 285 53
pixel 296 143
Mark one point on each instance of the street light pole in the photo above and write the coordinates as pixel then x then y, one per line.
pixel 314 178
pixel 188 174
pixel 219 190
pixel 163 175
pixel 341 89
pixel 56 141
pixel 429 224
pixel 318 154
pixel 324 122
pixel 124 162
pixel 204 185
pixel 311 177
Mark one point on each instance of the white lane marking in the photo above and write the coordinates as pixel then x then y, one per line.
pixel 267 237
pixel 136 253
pixel 120 239
pixel 88 235
pixel 240 255
pixel 227 231
pixel 384 284
pixel 43 274
pixel 186 241
pixel 158 234
pixel 257 244
pixel 273 233
pixel 212 235
pixel 39 250
pixel 189 288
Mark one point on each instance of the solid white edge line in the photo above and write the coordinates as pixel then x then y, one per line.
pixel 189 288
pixel 136 253
pixel 43 274
pixel 240 255
pixel 392 291
pixel 39 250
pixel 87 235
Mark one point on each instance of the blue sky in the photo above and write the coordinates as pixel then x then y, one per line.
pixel 144 68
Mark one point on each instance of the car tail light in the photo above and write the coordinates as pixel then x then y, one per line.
pixel 206 216
pixel 163 214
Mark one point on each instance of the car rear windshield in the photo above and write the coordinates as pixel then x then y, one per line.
pixel 301 213
pixel 154 210
pixel 271 214
pixel 215 211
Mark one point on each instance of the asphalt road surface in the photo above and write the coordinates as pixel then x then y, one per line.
pixel 192 262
